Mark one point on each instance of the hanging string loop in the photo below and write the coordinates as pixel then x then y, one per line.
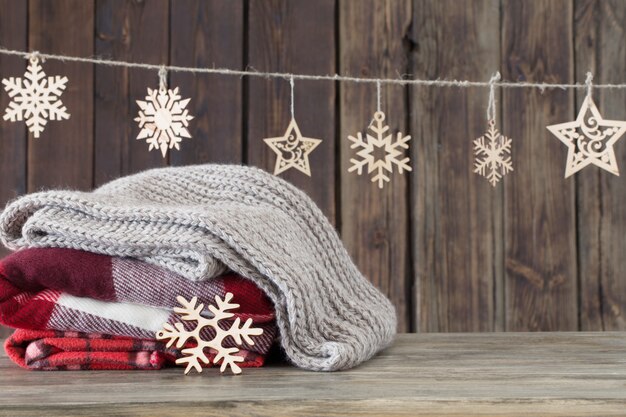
pixel 33 57
pixel 378 96
pixel 162 79
pixel 589 84
pixel 491 105
pixel 291 103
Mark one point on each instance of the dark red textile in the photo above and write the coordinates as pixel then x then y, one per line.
pixel 76 291
pixel 75 272
pixel 32 280
pixel 55 350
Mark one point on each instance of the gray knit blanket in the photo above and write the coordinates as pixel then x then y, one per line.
pixel 201 220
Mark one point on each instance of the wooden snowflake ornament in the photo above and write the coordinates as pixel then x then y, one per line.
pixel 196 355
pixel 35 98
pixel 492 154
pixel 163 117
pixel 379 139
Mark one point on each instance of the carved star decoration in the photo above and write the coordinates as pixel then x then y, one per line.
pixel 589 139
pixel 292 150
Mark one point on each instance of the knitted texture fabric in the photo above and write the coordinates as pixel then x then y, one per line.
pixel 198 221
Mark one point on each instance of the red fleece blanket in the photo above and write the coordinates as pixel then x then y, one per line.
pixel 49 350
pixel 71 290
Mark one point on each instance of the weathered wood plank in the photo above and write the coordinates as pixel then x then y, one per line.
pixel 457 215
pixel 61 156
pixel 113 119
pixel 375 222
pixel 601 196
pixel 14 34
pixel 294 36
pixel 135 31
pixel 205 34
pixel 540 226
pixel 547 374
pixel 458 235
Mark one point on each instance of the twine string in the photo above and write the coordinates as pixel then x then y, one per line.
pixel 491 105
pixel 378 96
pixel 291 103
pixel 162 79
pixel 334 77
pixel 589 84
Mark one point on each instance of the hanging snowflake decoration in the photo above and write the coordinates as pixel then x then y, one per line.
pixel 163 119
pixel 492 155
pixel 196 355
pixel 35 98
pixel 374 143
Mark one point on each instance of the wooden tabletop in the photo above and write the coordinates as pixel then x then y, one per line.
pixel 567 374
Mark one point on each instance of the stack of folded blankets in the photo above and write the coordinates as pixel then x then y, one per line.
pixel 96 274
pixel 80 310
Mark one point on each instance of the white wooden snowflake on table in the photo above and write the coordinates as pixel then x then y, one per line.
pixel 194 356
pixel 35 98
pixel 380 140
pixel 163 119
pixel 493 155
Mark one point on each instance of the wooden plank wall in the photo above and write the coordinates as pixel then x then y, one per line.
pixel 538 252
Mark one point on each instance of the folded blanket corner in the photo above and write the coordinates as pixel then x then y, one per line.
pixel 49 350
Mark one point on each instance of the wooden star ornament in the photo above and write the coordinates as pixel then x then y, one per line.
pixel 292 150
pixel 589 139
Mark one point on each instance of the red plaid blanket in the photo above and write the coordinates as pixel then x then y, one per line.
pixel 50 350
pixel 71 290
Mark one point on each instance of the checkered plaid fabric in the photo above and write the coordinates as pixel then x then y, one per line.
pixel 74 291
pixel 50 350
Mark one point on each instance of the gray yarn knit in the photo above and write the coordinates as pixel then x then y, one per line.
pixel 199 220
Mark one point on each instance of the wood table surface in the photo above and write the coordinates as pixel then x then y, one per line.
pixel 499 374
